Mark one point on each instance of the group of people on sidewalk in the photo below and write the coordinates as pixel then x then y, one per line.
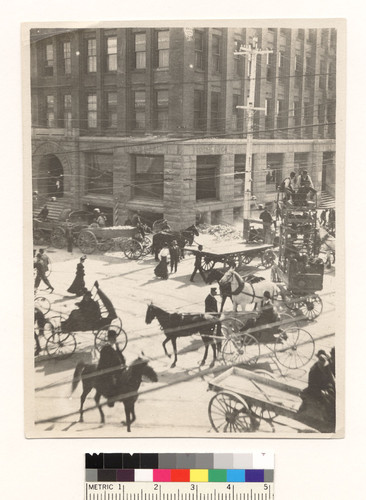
pixel 168 255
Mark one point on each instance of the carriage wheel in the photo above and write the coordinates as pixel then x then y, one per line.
pixel 39 236
pixel 268 257
pixel 106 245
pixel 232 327
pixel 101 338
pixel 247 259
pixel 58 238
pixel 207 264
pixel 292 301
pixel 61 345
pixel 311 306
pixel 243 349
pixel 228 412
pixel 133 249
pixel 294 348
pixel 146 246
pixel 87 242
pixel 43 304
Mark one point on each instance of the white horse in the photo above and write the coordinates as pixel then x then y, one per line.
pixel 246 292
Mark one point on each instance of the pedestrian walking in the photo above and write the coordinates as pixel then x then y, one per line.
pixel 69 238
pixel 267 221
pixel 161 270
pixel 78 285
pixel 40 276
pixel 46 260
pixel 174 256
pixel 198 265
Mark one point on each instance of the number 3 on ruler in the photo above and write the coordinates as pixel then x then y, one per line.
pixel 192 486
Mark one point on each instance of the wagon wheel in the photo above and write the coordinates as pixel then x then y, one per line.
pixel 87 242
pixel 207 264
pixel 58 237
pixel 292 301
pixel 133 249
pixel 294 348
pixel 61 345
pixel 43 304
pixel 259 410
pixel 101 338
pixel 228 412
pixel 268 257
pixel 246 259
pixel 146 246
pixel 311 306
pixel 39 236
pixel 106 245
pixel 232 327
pixel 243 349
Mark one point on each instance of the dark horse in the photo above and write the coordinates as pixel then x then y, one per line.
pixel 176 325
pixel 126 392
pixel 182 238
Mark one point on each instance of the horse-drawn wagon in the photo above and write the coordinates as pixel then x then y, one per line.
pixel 245 398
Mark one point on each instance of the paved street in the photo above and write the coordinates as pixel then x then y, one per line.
pixel 171 406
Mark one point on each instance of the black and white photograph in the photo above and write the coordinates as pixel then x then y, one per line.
pixel 183 208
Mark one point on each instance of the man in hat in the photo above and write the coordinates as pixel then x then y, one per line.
pixel 211 307
pixel 267 221
pixel 111 366
pixel 198 265
pixel 174 256
pixel 267 313
pixel 41 276
pixel 99 217
pixel 86 317
pixel 45 259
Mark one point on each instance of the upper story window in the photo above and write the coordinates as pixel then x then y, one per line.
pixel 48 70
pixel 237 116
pixel 198 50
pixel 216 53
pixel 270 63
pixel 324 38
pixel 198 110
pixel 66 49
pixel 139 109
pixel 162 49
pixel 238 60
pixel 322 75
pixel 215 111
pixel 92 55
pixel 67 111
pixel 140 50
pixel 50 110
pixel 111 105
pixel 161 109
pixel 112 53
pixel 92 110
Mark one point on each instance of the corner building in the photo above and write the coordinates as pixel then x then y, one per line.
pixel 141 118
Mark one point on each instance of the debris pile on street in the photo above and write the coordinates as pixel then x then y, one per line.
pixel 221 232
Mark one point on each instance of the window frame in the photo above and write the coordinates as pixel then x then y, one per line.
pixel 49 62
pixel 199 62
pixel 91 54
pixel 199 111
pixel 111 110
pixel 216 56
pixel 162 53
pixel 139 109
pixel 153 183
pixel 92 114
pixel 161 110
pixel 138 53
pixel 90 163
pixel 215 114
pixel 67 111
pixel 50 111
pixel 111 56
pixel 66 57
pixel 207 169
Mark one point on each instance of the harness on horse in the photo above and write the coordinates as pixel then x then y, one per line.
pixel 241 285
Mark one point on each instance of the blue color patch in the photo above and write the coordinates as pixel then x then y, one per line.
pixel 254 476
pixel 235 476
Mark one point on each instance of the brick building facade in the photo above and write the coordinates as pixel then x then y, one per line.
pixel 131 118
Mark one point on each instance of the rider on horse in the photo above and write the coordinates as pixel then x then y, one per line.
pixel 111 366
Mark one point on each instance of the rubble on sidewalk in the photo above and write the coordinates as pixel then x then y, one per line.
pixel 221 232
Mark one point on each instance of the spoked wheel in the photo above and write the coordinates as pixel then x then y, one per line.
pixel 246 259
pixel 58 237
pixel 207 264
pixel 228 412
pixel 61 345
pixel 43 304
pixel 106 245
pixel 146 246
pixel 133 249
pixel 294 348
pixel 268 258
pixel 293 302
pixel 87 242
pixel 241 349
pixel 311 306
pixel 39 237
pixel 101 338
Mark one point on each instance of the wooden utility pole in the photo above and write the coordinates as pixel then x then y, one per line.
pixel 251 51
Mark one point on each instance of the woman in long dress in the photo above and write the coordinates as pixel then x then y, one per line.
pixel 161 270
pixel 78 285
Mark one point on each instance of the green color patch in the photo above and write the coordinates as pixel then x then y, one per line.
pixel 217 475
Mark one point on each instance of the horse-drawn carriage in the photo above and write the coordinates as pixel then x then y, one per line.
pixel 60 331
pixel 245 398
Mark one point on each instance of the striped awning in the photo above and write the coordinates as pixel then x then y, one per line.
pixel 326 200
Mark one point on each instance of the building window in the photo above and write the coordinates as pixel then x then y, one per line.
pixel 237 116
pixel 148 177
pixel 331 78
pixel 140 50
pixel 92 110
pixel 238 60
pixel 139 109
pixel 199 110
pixel 111 104
pixel 66 51
pixel 48 70
pixel 239 175
pixel 281 63
pixel 281 113
pixel 161 110
pixel 297 113
pixel 162 49
pixel 310 36
pixel 215 111
pixel 270 63
pixel 50 111
pixel 298 65
pixel 111 53
pixel 333 38
pixel 198 50
pixel 216 54
pixel 308 119
pixel 92 55
pixel 322 75
pixel 207 179
pixel 324 38
pixel 300 34
pixel 274 170
pixel 308 71
pixel 99 167
pixel 67 111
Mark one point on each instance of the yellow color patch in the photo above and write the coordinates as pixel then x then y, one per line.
pixel 199 476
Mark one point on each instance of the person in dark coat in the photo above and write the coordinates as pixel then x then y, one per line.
pixel 86 317
pixel 198 265
pixel 78 285
pixel 267 221
pixel 43 214
pixel 174 256
pixel 40 321
pixel 211 307
pixel 69 238
pixel 41 276
pixel 111 357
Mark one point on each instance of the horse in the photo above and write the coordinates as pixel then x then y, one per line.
pixel 176 325
pixel 129 380
pixel 247 291
pixel 182 238
pixel 225 288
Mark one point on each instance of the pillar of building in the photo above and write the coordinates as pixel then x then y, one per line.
pixel 259 176
pixel 226 186
pixel 122 191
